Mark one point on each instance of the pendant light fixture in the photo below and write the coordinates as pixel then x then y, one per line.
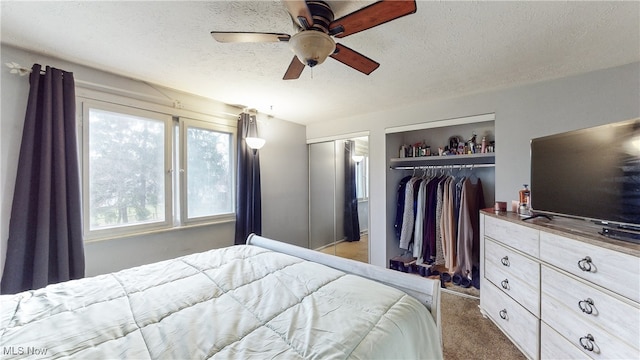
pixel 252 139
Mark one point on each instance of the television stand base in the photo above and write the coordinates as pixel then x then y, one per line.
pixel 618 226
pixel 537 216
pixel 624 235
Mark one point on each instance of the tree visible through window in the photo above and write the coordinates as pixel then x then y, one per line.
pixel 126 169
pixel 208 171
pixel 145 170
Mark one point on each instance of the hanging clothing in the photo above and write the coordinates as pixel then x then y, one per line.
pixel 439 260
pixel 429 242
pixel 408 216
pixel 402 186
pixel 419 224
pixel 448 224
pixel 468 245
pixel 438 218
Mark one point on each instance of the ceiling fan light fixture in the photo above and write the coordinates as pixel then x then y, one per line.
pixel 312 47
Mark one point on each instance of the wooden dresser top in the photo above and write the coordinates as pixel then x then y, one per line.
pixel 581 230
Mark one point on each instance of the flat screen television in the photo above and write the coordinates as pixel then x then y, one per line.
pixel 590 173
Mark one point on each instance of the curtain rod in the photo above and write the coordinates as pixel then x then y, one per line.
pixel 18 69
pixel 166 100
pixel 22 71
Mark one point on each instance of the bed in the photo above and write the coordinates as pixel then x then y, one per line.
pixel 263 300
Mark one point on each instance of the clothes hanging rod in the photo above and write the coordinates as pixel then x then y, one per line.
pixel 452 167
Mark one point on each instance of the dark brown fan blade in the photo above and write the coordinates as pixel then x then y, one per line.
pixel 373 15
pixel 299 12
pixel 354 59
pixel 228 37
pixel 294 70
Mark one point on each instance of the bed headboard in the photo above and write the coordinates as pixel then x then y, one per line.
pixel 427 291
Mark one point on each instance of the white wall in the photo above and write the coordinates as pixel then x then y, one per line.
pixel 283 170
pixel 522 113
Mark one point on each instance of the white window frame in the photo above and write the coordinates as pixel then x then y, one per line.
pixel 363 179
pixel 168 196
pixel 174 160
pixel 185 124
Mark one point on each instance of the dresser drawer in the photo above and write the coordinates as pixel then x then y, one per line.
pixel 524 291
pixel 553 346
pixel 610 269
pixel 582 333
pixel 513 263
pixel 516 322
pixel 602 310
pixel 517 236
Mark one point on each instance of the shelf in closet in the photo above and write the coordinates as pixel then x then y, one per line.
pixel 475 160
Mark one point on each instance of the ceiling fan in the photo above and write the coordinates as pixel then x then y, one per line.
pixel 313 42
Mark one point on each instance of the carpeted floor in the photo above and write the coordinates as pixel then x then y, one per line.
pixel 468 335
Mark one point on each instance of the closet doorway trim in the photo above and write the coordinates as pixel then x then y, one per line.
pixel 338 137
pixel 441 123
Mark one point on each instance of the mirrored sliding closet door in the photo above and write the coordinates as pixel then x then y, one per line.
pixel 339 197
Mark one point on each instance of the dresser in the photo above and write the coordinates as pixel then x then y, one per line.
pixel 558 289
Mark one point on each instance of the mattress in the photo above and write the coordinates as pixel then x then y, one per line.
pixel 240 302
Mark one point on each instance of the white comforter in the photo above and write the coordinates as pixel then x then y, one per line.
pixel 239 302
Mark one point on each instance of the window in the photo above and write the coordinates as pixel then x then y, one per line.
pixel 362 183
pixel 208 188
pixel 129 182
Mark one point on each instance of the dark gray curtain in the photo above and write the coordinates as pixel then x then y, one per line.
pixel 248 196
pixel 45 231
pixel 351 222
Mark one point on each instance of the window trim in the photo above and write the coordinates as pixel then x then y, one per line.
pixel 364 172
pixel 173 197
pixel 125 230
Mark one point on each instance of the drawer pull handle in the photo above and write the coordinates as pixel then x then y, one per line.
pixel 503 314
pixel 585 264
pixel 505 261
pixel 587 342
pixel 586 306
pixel 505 284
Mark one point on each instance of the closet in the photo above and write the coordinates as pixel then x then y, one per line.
pixel 339 197
pixel 447 168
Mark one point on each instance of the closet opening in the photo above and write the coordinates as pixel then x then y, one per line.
pixel 441 174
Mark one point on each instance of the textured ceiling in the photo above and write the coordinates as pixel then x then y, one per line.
pixel 446 49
